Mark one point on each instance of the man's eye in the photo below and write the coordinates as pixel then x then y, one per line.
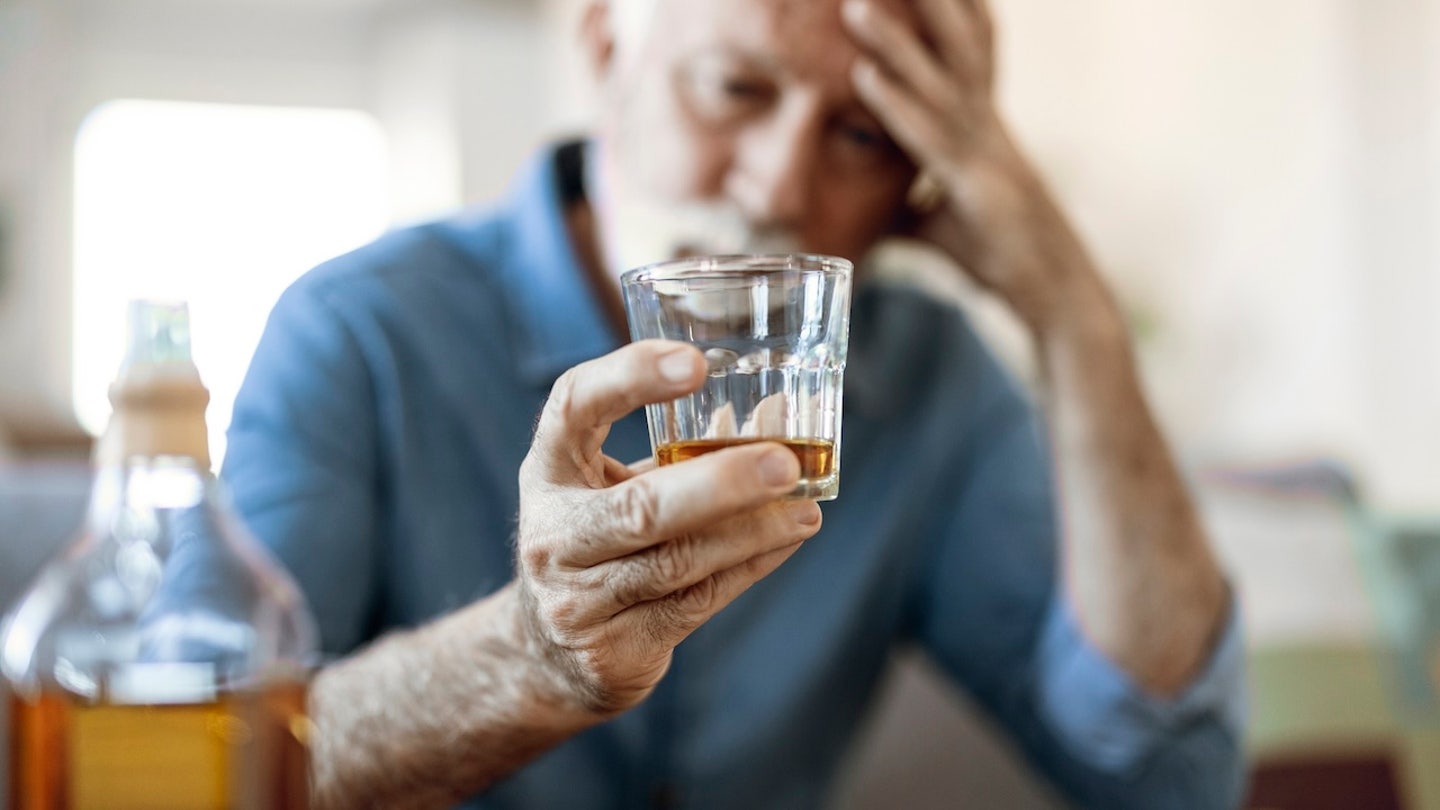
pixel 863 137
pixel 737 93
pixel 722 95
pixel 862 146
pixel 744 89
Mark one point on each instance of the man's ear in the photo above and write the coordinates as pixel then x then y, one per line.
pixel 597 37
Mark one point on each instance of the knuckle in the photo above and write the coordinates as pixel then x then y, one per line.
pixel 672 561
pixel 636 508
pixel 534 557
pixel 652 574
pixel 630 586
pixel 564 613
pixel 601 682
pixel 561 615
pixel 699 599
pixel 681 611
pixel 540 539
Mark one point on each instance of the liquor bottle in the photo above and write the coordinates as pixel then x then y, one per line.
pixel 161 661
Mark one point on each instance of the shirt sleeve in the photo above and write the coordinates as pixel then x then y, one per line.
pixel 993 617
pixel 1099 711
pixel 300 461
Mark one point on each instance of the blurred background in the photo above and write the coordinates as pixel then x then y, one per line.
pixel 1260 180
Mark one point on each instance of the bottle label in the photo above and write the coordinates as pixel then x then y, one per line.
pixel 243 751
pixel 151 757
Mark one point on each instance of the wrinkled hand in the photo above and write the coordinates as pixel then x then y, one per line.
pixel 994 215
pixel 617 565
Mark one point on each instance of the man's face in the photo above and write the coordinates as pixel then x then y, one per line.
pixel 732 126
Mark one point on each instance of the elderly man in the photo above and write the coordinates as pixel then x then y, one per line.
pixel 680 636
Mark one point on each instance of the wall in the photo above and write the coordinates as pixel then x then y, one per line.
pixel 1257 178
pixel 1394 205
pixel 81 54
pixel 460 89
pixel 455 83
pixel 36 52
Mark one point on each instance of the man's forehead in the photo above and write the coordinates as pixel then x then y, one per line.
pixel 792 7
pixel 805 38
pixel 817 20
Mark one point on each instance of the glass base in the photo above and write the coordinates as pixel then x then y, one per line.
pixel 819 489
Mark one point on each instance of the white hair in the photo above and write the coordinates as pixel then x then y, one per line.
pixel 630 21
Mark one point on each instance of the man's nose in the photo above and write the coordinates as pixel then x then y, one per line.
pixel 772 178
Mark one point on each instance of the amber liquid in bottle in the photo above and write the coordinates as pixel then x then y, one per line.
pixel 243 751
pixel 817 456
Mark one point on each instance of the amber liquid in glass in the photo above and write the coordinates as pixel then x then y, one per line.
pixel 244 751
pixel 817 456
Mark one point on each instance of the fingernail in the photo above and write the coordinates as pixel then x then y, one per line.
pixel 779 467
pixel 806 513
pixel 677 366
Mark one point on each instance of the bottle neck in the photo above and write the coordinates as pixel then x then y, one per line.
pixel 141 499
pixel 153 462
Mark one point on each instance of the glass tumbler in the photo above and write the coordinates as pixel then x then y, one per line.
pixel 774 331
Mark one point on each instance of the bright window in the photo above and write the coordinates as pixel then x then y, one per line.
pixel 220 205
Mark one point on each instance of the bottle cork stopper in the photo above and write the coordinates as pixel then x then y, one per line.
pixel 158 399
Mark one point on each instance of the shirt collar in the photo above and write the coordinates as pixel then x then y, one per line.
pixel 561 322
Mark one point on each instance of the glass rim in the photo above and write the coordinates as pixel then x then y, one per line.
pixel 736 264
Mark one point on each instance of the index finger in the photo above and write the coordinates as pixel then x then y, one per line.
pixel 963 30
pixel 588 398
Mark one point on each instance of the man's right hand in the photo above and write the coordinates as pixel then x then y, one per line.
pixel 616 567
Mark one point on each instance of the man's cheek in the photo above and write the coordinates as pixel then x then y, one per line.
pixel 688 164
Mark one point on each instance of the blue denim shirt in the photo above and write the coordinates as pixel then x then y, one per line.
pixel 375 446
